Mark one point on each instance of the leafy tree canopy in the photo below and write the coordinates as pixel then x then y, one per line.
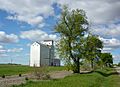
pixel 72 27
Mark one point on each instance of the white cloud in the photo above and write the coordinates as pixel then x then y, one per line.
pixel 98 11
pixel 37 35
pixel 15 50
pixel 41 25
pixel 116 58
pixel 29 20
pixel 33 11
pixel 28 44
pixel 8 38
pixel 107 50
pixel 108 31
pixel 28 11
pixel 110 44
pixel 1 47
pixel 12 50
pixel 3 55
pixel 27 54
pixel 2 51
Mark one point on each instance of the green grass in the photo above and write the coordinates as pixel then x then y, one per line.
pixel 99 78
pixel 6 69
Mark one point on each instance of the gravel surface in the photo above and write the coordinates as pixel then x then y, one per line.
pixel 16 80
pixel 13 80
pixel 60 74
pixel 118 70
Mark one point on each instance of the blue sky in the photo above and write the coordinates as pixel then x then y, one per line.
pixel 25 21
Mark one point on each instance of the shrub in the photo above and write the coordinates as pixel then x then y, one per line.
pixel 20 75
pixel 26 78
pixel 46 77
pixel 40 72
pixel 3 76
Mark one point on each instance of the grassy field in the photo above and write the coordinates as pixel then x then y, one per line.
pixel 99 78
pixel 7 69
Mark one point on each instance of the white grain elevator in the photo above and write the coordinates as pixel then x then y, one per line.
pixel 42 53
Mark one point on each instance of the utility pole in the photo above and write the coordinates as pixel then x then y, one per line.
pixel 11 61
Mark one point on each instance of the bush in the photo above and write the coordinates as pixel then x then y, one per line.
pixel 20 75
pixel 40 72
pixel 3 76
pixel 26 78
pixel 46 77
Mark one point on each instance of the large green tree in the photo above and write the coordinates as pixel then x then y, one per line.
pixel 72 27
pixel 93 48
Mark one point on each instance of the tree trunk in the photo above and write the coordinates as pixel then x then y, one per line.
pixel 92 65
pixel 76 66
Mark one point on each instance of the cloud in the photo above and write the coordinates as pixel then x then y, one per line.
pixel 15 50
pixel 3 55
pixel 34 11
pixel 110 44
pixel 41 25
pixel 29 20
pixel 1 47
pixel 29 11
pixel 2 51
pixel 28 45
pixel 107 31
pixel 98 11
pixel 116 58
pixel 12 50
pixel 107 50
pixel 37 35
pixel 8 38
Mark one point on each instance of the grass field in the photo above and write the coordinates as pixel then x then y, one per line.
pixel 13 69
pixel 6 69
pixel 99 78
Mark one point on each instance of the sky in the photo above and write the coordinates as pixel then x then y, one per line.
pixel 24 21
